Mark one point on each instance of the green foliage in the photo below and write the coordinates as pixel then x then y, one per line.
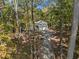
pixel 55 15
pixel 6 46
pixel 62 12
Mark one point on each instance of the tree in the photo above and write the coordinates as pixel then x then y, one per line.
pixel 74 30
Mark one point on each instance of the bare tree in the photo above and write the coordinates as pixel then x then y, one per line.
pixel 74 30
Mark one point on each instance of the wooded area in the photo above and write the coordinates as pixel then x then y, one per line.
pixel 39 29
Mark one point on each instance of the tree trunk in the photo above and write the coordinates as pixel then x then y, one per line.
pixel 74 30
